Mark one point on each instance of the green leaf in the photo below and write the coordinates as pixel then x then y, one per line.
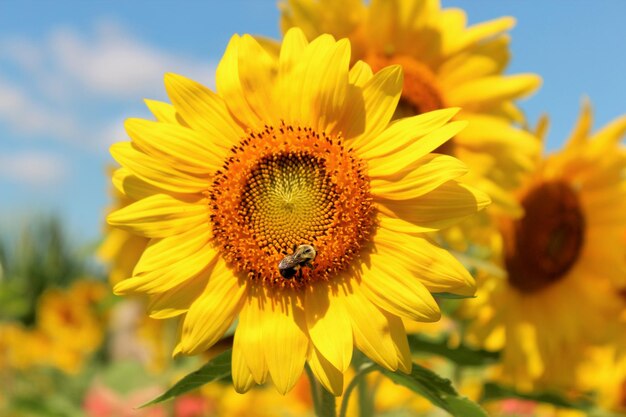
pixel 214 370
pixel 460 355
pixel 437 390
pixel 493 391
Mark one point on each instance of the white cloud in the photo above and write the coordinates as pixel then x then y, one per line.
pixel 66 86
pixel 33 168
pixel 113 63
pixel 25 115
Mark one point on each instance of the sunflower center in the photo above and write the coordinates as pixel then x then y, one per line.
pixel 541 247
pixel 420 92
pixel 285 187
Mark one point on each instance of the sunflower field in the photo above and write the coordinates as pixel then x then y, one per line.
pixel 353 215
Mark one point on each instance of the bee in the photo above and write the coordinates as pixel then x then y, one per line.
pixel 292 264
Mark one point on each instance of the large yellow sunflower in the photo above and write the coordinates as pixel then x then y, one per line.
pixel 292 150
pixel 563 261
pixel 445 65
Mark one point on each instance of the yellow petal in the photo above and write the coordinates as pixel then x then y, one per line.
pixel 329 325
pixel 491 90
pixel 440 208
pixel 490 58
pixel 389 221
pixel 435 267
pixel 132 186
pixel 155 172
pixel 162 252
pixel 380 97
pixel 294 44
pixel 582 130
pixel 360 73
pixel 320 101
pixel 284 342
pixel 229 86
pixel 159 215
pixel 433 170
pixel 175 145
pixel 166 278
pixel 329 376
pixel 404 132
pixel 164 112
pixel 242 378
pixel 257 79
pixel 480 32
pixel 177 300
pixel 400 342
pixel 204 110
pixel 213 311
pixel 250 331
pixel 394 288
pixel 370 327
pixel 395 164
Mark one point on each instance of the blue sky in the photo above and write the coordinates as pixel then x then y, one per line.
pixel 72 71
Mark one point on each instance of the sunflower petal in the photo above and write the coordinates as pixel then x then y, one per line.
pixel 328 325
pixel 175 145
pixel 250 329
pixel 160 253
pixel 213 311
pixel 155 172
pixel 491 90
pixel 380 98
pixel 164 279
pixel 392 162
pixel 400 342
pixel 284 342
pixel 440 208
pixel 204 110
pixel 432 172
pixel 329 376
pixel 159 215
pixel 433 266
pixel 370 327
pixel 163 112
pixel 177 300
pixel 404 132
pixel 242 377
pixel 394 288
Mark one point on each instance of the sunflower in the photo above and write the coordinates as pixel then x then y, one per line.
pixel 563 262
pixel 292 152
pixel 445 65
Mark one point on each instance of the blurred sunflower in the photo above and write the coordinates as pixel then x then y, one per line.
pixel 293 150
pixel 121 249
pixel 563 261
pixel 445 65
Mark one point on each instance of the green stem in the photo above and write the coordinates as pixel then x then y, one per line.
pixel 366 402
pixel 327 406
pixel 315 396
pixel 353 384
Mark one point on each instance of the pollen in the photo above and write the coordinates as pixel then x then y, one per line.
pixel 542 247
pixel 286 186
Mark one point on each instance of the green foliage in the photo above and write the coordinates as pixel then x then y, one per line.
pixel 439 391
pixel 216 369
pixel 461 355
pixel 493 391
pixel 39 257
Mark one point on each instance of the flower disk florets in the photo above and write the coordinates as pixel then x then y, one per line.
pixel 287 186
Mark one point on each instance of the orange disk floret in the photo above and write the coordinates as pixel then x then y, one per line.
pixel 288 186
